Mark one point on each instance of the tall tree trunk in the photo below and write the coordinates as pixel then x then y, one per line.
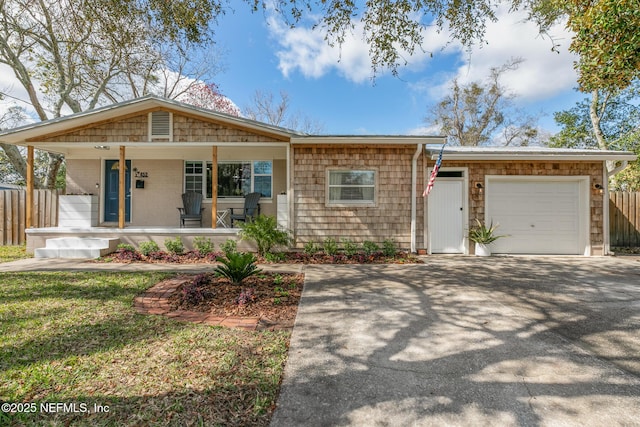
pixel 596 110
pixel 16 159
pixel 55 161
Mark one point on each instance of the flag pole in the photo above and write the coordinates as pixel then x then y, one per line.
pixel 434 173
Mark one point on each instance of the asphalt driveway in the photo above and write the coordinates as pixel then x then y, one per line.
pixel 532 341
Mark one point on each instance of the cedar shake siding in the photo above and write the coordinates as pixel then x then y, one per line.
pixel 135 129
pixel 388 218
pixel 478 170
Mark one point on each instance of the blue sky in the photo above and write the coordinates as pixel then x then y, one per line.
pixel 333 86
pixel 262 53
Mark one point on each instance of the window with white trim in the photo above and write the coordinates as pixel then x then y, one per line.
pixel 235 179
pixel 351 187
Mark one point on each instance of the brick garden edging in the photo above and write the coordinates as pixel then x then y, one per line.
pixel 155 300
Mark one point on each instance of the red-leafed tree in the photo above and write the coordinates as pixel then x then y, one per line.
pixel 208 95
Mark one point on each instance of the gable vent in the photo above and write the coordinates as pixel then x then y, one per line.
pixel 160 126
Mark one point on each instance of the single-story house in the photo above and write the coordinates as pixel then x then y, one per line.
pixel 549 201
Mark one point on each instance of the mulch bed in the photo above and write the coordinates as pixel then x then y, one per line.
pixel 272 297
pixel 193 257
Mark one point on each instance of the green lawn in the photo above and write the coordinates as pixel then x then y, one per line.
pixel 13 253
pixel 74 339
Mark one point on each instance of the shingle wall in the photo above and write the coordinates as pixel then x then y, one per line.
pixel 135 129
pixel 389 219
pixel 478 171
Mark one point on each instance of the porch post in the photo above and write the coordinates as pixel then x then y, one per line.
pixel 121 190
pixel 29 201
pixel 214 186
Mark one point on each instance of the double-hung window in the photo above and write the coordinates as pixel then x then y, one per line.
pixel 235 179
pixel 351 187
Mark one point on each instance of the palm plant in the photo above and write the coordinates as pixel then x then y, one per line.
pixel 237 266
pixel 482 234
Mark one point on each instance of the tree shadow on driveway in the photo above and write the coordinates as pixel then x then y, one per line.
pixel 461 341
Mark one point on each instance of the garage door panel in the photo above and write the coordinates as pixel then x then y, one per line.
pixel 540 216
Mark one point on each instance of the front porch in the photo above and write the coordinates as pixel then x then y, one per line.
pixel 37 237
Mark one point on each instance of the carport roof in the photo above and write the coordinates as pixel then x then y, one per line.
pixel 527 153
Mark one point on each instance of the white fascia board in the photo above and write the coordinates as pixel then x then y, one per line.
pixel 598 156
pixel 367 140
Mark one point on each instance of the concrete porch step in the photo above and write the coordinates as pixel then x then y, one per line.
pixel 77 247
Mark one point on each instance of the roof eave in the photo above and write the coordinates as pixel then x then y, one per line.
pixel 23 134
pixel 597 156
pixel 366 140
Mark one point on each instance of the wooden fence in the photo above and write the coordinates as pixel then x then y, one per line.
pixel 624 218
pixel 13 213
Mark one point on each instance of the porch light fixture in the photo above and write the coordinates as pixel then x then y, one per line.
pixel 102 147
pixel 598 188
pixel 480 187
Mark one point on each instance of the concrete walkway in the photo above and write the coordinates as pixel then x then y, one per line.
pixel 61 264
pixel 467 341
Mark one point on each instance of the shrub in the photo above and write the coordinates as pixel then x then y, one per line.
pixel 203 245
pixel 245 297
pixel 310 248
pixel 127 253
pixel 349 248
pixel 230 246
pixel 330 246
pixel 370 247
pixel 147 247
pixel 275 257
pixel 123 247
pixel 389 248
pixel 197 290
pixel 237 267
pixel 174 246
pixel 263 230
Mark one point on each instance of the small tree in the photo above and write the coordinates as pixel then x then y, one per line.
pixel 263 230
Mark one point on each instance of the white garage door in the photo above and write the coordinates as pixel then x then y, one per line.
pixel 541 216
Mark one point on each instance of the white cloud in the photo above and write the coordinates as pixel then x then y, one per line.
pixel 14 92
pixel 543 74
pixel 306 50
pixel 424 131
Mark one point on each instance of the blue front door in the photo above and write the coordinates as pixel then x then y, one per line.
pixel 111 187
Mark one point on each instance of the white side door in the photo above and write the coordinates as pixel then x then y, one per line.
pixel 446 216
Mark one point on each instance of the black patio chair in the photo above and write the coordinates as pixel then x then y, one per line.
pixel 192 208
pixel 251 209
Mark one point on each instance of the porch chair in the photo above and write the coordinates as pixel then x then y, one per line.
pixel 192 208
pixel 250 210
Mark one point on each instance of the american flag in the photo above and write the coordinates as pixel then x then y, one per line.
pixel 434 173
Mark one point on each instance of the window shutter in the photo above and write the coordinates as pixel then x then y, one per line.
pixel 160 125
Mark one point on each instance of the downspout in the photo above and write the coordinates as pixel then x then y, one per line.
pixel 620 168
pixel 414 194
pixel 606 239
